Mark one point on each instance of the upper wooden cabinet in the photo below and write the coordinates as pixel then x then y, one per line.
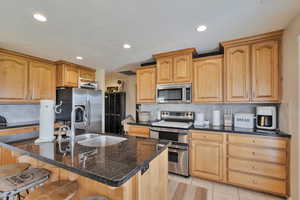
pixel 165 70
pixel 87 73
pixel 237 73
pixel 175 66
pixel 146 85
pixel 265 71
pixel 41 81
pixel 252 68
pixel 25 79
pixel 208 79
pixel 68 74
pixel 13 78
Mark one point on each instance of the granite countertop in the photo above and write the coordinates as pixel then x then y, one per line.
pixel 112 165
pixel 276 133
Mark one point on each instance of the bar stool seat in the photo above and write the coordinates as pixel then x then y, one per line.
pixel 14 184
pixel 12 169
pixel 58 190
pixel 96 198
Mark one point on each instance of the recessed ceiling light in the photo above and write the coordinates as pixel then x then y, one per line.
pixel 126 46
pixel 201 28
pixel 79 57
pixel 39 17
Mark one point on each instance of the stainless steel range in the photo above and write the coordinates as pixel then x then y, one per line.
pixel 174 128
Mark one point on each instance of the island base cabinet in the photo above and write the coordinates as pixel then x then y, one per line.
pixel 149 185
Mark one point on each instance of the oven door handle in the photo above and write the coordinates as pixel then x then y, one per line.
pixel 172 149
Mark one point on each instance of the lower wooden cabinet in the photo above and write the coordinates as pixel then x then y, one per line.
pixel 206 156
pixel 259 163
pixel 140 131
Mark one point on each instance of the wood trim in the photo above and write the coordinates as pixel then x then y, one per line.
pixel 25 129
pixel 172 53
pixel 26 56
pixel 256 38
pixel 208 58
pixel 146 67
pixel 61 62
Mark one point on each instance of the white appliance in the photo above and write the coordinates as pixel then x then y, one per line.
pixel 199 119
pixel 174 93
pixel 266 117
pixel 46 131
pixel 244 120
pixel 216 118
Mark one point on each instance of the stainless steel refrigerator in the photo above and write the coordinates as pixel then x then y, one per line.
pixel 90 100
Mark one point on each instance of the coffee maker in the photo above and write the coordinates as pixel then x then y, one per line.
pixel 266 117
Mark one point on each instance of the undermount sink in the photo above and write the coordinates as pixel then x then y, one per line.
pixel 85 136
pixel 102 141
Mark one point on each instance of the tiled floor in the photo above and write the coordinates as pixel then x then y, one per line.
pixel 217 191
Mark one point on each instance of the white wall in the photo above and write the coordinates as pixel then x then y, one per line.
pixel 289 115
pixel 129 88
pixel 100 77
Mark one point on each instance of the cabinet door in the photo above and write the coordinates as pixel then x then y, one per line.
pixel 265 75
pixel 208 81
pixel 13 78
pixel 71 75
pixel 237 61
pixel 165 70
pixel 146 85
pixel 206 159
pixel 87 74
pixel 182 67
pixel 41 81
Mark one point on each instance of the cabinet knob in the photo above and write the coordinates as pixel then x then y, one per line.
pixel 253 141
pixel 253 167
pixel 254 181
pixel 253 153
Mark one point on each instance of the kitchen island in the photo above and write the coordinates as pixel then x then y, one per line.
pixel 135 168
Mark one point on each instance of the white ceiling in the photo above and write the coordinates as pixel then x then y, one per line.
pixel 97 29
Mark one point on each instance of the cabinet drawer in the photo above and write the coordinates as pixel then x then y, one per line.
pixel 258 141
pixel 257 182
pixel 207 136
pixel 260 154
pixel 259 168
pixel 141 131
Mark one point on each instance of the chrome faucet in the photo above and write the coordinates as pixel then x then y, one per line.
pixel 73 118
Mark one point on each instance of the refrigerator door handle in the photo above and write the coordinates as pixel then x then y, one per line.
pixel 89 113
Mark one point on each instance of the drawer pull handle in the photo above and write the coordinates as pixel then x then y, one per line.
pixel 253 153
pixel 253 141
pixel 253 167
pixel 254 181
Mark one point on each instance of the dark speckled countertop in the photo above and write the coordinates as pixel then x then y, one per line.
pixel 112 165
pixel 276 133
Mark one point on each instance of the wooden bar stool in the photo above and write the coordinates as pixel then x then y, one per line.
pixel 12 185
pixel 58 190
pixel 12 169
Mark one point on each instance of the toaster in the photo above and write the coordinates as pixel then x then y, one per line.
pixel 244 120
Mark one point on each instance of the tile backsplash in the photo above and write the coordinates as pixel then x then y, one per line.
pixel 207 109
pixel 20 113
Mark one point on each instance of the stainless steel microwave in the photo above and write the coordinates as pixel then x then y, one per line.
pixel 174 93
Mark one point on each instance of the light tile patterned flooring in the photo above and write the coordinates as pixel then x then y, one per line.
pixel 217 191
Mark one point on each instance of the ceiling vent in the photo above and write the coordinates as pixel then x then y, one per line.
pixel 128 73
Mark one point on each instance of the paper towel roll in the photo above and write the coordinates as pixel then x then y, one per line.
pixel 216 118
pixel 46 132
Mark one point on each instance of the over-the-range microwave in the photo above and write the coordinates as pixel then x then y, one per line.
pixel 174 93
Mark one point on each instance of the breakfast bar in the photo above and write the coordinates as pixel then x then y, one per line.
pixel 132 168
